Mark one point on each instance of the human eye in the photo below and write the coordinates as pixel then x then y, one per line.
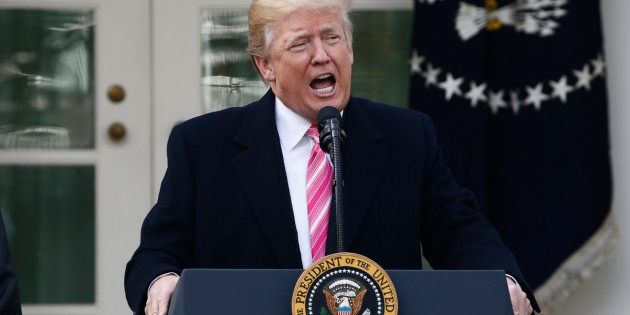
pixel 298 46
pixel 333 38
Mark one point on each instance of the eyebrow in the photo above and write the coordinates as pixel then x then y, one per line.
pixel 301 34
pixel 329 28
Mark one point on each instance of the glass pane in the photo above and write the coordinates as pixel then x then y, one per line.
pixel 46 79
pixel 382 41
pixel 228 76
pixel 49 214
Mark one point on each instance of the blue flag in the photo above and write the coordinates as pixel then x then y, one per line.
pixel 517 91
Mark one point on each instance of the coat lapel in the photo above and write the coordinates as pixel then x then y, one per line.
pixel 260 170
pixel 365 159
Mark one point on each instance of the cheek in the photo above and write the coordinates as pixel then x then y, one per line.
pixel 292 72
pixel 301 59
pixel 346 72
pixel 344 64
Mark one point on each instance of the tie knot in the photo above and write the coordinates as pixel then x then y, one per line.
pixel 313 133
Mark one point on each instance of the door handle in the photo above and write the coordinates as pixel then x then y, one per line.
pixel 117 132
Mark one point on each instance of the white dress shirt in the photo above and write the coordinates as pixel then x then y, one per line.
pixel 296 150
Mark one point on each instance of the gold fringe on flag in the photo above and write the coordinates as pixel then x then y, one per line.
pixel 579 268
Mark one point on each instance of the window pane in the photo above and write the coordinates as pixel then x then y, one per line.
pixel 229 78
pixel 46 79
pixel 382 41
pixel 49 215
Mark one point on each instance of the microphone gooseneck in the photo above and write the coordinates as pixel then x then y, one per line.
pixel 331 140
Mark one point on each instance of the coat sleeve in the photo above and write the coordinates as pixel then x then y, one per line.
pixel 454 233
pixel 9 296
pixel 167 234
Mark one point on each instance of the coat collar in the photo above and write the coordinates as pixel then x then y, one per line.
pixel 260 170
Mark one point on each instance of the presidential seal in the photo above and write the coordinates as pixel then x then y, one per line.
pixel 344 284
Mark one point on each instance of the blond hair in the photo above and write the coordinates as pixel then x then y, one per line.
pixel 264 13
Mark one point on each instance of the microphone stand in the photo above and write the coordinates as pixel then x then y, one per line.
pixel 337 180
pixel 331 140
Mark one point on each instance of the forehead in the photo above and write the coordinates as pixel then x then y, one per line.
pixel 305 21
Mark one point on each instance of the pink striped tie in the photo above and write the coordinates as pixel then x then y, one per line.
pixel 319 175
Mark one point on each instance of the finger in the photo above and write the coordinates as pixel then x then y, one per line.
pixel 151 307
pixel 523 303
pixel 163 306
pixel 515 308
pixel 514 301
pixel 528 307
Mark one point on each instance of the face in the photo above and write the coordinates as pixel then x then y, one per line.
pixel 309 62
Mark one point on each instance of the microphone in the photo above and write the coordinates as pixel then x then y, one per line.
pixel 329 126
pixel 332 139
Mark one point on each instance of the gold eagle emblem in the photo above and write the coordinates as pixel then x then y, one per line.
pixel 343 295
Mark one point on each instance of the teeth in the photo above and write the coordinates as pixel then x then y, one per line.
pixel 324 76
pixel 325 90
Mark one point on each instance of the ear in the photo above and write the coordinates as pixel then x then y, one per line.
pixel 264 66
pixel 351 54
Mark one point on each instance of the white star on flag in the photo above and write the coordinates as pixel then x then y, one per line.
pixel 476 93
pixel 584 78
pixel 515 101
pixel 547 30
pixel 535 96
pixel 451 86
pixel 416 61
pixel 431 75
pixel 496 101
pixel 599 65
pixel 561 89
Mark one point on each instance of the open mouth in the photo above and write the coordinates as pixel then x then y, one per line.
pixel 323 84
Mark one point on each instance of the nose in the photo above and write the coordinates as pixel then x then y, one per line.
pixel 319 55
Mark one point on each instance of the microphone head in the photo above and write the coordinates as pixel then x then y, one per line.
pixel 328 124
pixel 326 113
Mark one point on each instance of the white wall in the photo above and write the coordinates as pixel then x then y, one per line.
pixel 608 292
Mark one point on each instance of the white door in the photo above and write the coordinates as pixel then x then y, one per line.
pixel 74 151
pixel 201 65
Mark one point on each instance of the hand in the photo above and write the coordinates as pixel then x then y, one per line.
pixel 160 295
pixel 520 302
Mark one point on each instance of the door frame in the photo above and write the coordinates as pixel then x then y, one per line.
pixel 122 170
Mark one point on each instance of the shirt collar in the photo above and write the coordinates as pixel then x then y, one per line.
pixel 291 126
